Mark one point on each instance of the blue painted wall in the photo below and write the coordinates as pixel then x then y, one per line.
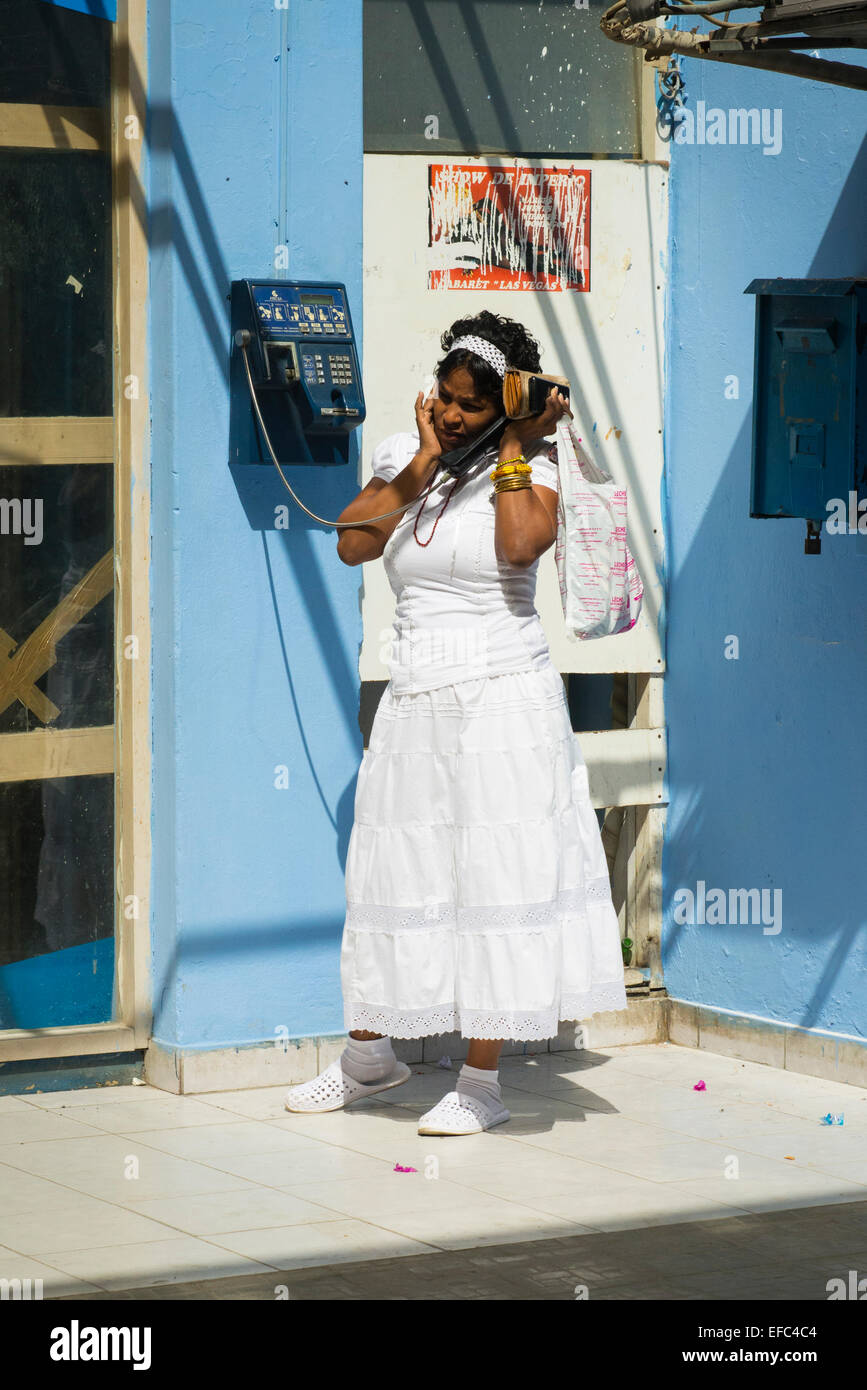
pixel 767 754
pixel 255 139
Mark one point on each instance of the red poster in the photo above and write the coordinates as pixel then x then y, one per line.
pixel 515 228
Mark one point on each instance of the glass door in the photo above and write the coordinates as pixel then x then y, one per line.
pixel 57 542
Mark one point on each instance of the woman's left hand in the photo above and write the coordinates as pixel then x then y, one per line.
pixel 537 426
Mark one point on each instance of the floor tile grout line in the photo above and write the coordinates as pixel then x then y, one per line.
pixel 333 1214
pixel 282 1189
pixel 211 1237
pixel 183 1235
pixel 681 1133
pixel 177 1196
pixel 732 1100
pixel 662 1182
pixel 450 1250
pixel 274 1188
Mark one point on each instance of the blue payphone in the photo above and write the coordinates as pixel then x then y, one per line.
pixel 295 380
pixel 809 441
pixel 294 372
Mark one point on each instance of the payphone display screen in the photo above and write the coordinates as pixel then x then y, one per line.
pixel 287 313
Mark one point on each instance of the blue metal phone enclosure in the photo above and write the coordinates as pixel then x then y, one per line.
pixel 305 371
pixel 809 437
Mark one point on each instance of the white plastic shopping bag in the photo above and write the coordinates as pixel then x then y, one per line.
pixel 600 587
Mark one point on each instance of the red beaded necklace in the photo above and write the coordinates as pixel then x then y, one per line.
pixel 439 513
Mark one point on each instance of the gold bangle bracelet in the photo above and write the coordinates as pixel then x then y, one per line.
pixel 512 484
pixel 519 458
pixel 503 470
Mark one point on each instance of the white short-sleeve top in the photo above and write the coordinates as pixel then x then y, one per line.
pixel 461 612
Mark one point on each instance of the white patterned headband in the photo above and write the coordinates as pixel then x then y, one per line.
pixel 482 348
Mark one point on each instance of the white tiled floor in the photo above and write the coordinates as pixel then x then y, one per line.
pixel 129 1186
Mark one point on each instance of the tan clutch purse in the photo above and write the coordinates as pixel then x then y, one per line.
pixel 525 393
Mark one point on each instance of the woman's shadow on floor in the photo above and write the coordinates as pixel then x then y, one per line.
pixel 538 1091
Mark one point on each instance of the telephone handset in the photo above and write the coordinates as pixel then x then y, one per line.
pixel 524 395
pixel 457 461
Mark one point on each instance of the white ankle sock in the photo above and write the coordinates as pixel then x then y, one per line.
pixel 483 1084
pixel 368 1060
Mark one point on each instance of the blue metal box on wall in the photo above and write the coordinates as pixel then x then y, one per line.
pixel 809 399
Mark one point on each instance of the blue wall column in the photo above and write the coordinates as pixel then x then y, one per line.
pixel 767 755
pixel 255 143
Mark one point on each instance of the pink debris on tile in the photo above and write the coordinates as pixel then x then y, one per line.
pixel 699 1086
pixel 398 1169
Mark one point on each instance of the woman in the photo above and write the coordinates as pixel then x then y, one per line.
pixel 477 889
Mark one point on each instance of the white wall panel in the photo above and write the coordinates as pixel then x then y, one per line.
pixel 608 341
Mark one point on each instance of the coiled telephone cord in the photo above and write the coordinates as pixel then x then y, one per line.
pixel 324 520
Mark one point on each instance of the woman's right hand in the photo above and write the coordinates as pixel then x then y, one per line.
pixel 429 445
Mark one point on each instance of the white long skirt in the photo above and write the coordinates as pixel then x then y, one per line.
pixel 477 890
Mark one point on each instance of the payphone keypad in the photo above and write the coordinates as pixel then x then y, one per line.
pixel 341 369
pixel 321 368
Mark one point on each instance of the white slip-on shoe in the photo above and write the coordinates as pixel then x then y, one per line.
pixel 333 1088
pixel 457 1113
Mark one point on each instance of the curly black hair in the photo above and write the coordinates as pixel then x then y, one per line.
pixel 519 348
